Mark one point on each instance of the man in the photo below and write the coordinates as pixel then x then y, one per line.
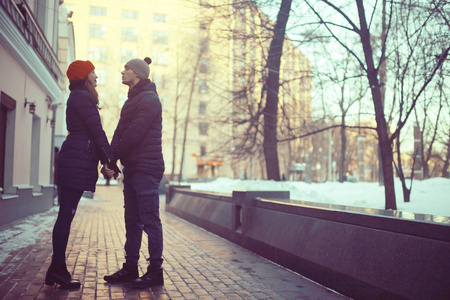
pixel 137 143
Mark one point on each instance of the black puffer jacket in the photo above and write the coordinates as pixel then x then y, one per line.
pixel 137 139
pixel 86 143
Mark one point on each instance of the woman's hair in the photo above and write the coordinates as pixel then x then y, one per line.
pixel 92 90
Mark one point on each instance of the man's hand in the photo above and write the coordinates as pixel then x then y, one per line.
pixel 112 165
pixel 107 172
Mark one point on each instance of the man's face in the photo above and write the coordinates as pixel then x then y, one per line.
pixel 129 77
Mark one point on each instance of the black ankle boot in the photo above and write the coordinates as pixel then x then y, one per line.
pixel 126 274
pixel 57 273
pixel 153 277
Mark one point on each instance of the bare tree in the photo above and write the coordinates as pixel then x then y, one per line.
pixel 272 87
pixel 371 67
pixel 368 65
pixel 415 70
pixel 349 93
pixel 257 69
pixel 193 84
pixel 432 113
pixel 180 86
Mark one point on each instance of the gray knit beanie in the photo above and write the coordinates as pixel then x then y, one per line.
pixel 140 67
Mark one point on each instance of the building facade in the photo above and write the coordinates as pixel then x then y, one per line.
pixel 32 86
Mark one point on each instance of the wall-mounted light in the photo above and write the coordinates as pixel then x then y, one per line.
pixel 49 102
pixel 52 122
pixel 32 106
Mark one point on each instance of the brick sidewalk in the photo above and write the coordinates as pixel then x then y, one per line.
pixel 198 264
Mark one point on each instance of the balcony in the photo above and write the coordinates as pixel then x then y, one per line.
pixel 23 18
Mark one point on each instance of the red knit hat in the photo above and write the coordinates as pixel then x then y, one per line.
pixel 79 69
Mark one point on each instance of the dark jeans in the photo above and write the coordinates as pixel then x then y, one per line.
pixel 68 203
pixel 142 214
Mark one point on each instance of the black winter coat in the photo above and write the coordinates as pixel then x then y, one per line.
pixel 137 139
pixel 86 143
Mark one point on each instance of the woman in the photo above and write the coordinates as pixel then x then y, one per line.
pixel 85 145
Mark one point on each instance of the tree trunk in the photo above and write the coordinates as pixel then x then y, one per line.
pixel 186 122
pixel 445 172
pixel 174 140
pixel 426 158
pixel 273 85
pixel 401 175
pixel 175 124
pixel 382 130
pixel 343 150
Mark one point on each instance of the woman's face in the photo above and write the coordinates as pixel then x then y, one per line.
pixel 92 78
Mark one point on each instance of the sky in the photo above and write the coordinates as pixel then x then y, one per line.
pixel 430 196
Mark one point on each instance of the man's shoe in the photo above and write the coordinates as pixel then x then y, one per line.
pixel 126 274
pixel 149 279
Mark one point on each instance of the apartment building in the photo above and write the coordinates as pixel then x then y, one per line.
pixel 32 86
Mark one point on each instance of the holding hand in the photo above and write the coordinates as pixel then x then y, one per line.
pixel 107 172
pixel 112 165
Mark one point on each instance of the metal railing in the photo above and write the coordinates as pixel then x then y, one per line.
pixel 26 23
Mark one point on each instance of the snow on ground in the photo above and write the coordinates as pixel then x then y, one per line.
pixel 431 196
pixel 26 231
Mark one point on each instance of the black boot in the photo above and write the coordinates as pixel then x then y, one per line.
pixel 127 273
pixel 153 277
pixel 57 273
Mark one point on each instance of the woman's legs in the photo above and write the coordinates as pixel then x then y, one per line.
pixel 57 272
pixel 69 199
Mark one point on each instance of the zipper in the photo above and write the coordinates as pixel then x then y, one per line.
pixel 88 147
pixel 107 157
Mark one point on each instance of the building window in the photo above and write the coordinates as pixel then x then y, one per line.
pixel 202 150
pixel 203 108
pixel 98 11
pixel 130 14
pixel 127 55
pixel 101 76
pixel 160 58
pixel 203 128
pixel 129 34
pixel 204 44
pixel 160 81
pixel 160 37
pixel 204 66
pixel 160 18
pixel 97 53
pixel 203 86
pixel 97 31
